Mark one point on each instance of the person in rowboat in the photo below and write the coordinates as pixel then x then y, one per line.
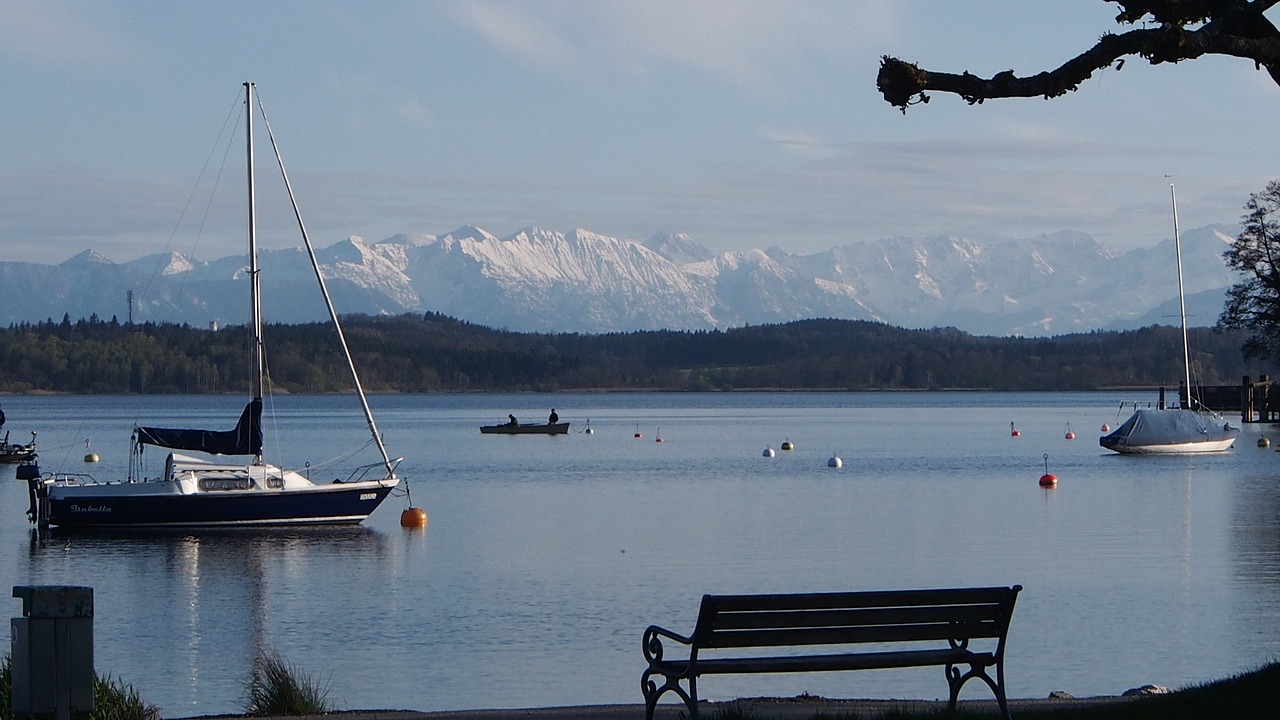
pixel 553 418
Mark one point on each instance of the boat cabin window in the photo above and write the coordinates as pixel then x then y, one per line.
pixel 225 483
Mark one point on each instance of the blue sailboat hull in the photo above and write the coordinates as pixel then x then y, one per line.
pixel 324 505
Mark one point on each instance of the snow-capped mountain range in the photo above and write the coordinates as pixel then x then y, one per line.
pixel 545 281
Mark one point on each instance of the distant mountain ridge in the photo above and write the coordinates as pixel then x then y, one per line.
pixel 580 281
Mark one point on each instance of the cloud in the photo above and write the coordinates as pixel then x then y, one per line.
pixel 56 32
pixel 747 42
pixel 803 144
pixel 517 30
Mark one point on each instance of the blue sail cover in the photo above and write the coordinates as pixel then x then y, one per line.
pixel 244 439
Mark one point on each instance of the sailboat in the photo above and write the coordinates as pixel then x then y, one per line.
pixel 1164 431
pixel 215 490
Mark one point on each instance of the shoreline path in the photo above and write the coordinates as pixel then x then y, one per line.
pixel 801 708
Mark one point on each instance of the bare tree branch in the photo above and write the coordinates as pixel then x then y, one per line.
pixel 1231 27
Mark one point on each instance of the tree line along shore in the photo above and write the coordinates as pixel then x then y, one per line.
pixel 435 353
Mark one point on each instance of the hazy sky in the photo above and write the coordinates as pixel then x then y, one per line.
pixel 745 124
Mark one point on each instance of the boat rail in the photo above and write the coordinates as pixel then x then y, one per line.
pixel 361 473
pixel 70 478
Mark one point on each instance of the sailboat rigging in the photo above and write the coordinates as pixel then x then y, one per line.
pixel 205 491
pixel 1188 429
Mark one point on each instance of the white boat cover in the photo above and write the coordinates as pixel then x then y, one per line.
pixel 1148 430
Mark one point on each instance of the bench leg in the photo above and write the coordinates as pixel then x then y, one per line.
pixel 670 683
pixel 956 680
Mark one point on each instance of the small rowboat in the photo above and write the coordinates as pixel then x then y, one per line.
pixel 549 429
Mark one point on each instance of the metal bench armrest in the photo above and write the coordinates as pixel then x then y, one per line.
pixel 653 642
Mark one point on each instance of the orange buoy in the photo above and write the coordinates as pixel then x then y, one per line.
pixel 1048 479
pixel 1013 431
pixel 413 518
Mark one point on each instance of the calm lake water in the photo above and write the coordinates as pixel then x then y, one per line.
pixel 546 557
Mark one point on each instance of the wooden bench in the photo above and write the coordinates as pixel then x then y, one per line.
pixel 909 628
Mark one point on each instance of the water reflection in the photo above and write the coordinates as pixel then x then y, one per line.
pixel 1256 540
pixel 198 607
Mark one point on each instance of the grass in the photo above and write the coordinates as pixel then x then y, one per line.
pixel 112 699
pixel 1247 696
pixel 277 687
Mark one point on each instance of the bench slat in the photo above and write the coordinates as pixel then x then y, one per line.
pixel 876 598
pixel 856 634
pixel 844 617
pixel 831 663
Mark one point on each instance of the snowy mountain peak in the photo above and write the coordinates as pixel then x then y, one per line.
pixel 88 257
pixel 678 248
pixel 581 281
pixel 170 263
pixel 470 232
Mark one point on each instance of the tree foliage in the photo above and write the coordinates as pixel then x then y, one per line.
pixel 1185 30
pixel 434 353
pixel 1254 303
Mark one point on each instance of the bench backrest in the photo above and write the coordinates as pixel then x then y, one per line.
pixel 956 615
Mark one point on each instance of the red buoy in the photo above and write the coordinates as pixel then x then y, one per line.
pixel 1071 435
pixel 1013 431
pixel 1106 427
pixel 1048 479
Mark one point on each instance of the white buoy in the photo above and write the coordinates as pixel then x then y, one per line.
pixel 587 430
pixel 89 455
pixel 835 462
pixel 768 451
pixel 786 444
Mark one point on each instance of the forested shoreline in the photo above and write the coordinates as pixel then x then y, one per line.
pixel 434 353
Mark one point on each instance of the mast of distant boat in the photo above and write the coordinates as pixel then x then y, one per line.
pixel 1182 302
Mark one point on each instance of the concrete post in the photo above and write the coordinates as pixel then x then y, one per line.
pixel 52 653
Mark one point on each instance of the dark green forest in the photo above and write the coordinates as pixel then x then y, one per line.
pixel 434 353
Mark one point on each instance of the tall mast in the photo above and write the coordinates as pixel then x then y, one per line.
pixel 255 296
pixel 1182 302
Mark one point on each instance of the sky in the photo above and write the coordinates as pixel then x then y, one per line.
pixel 745 124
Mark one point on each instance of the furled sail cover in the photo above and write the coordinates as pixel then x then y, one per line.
pixel 1164 427
pixel 245 439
